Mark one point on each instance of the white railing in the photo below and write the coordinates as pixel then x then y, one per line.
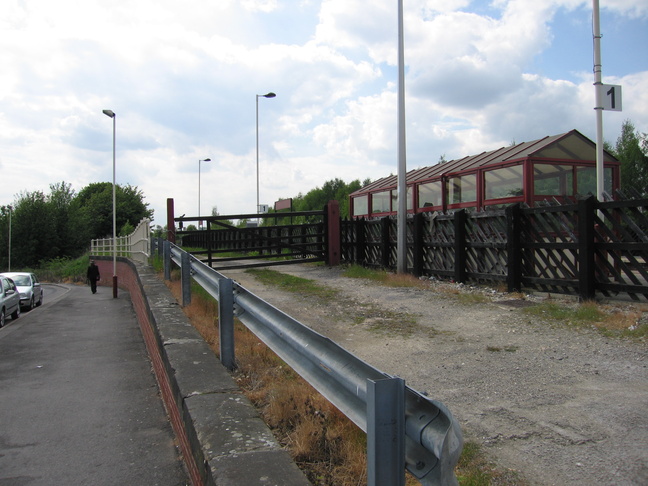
pixel 135 246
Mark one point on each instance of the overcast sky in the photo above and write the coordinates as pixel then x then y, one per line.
pixel 182 77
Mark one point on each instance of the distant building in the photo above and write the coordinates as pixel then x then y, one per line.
pixel 559 166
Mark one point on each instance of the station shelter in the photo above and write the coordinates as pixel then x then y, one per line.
pixel 557 167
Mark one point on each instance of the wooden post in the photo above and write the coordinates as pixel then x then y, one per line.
pixel 418 249
pixel 385 223
pixel 171 233
pixel 361 240
pixel 513 248
pixel 460 246
pixel 586 268
pixel 333 243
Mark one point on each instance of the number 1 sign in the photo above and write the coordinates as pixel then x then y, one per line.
pixel 609 97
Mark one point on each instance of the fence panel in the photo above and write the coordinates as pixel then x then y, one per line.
pixel 577 249
pixel 621 250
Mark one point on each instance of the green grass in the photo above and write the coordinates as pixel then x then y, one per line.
pixel 290 283
pixel 374 317
pixel 358 271
pixel 578 316
pixel 474 469
pixel 383 278
pixel 64 269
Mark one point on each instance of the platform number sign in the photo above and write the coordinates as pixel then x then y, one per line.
pixel 610 97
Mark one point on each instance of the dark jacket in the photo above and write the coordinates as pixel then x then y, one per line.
pixel 93 273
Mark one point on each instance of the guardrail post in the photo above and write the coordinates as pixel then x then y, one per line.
pixel 226 322
pixel 185 278
pixel 386 432
pixel 167 260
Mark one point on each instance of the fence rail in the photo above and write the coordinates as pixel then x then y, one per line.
pixel 296 243
pixel 135 246
pixel 421 433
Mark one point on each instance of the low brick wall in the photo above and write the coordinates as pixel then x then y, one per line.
pixel 221 437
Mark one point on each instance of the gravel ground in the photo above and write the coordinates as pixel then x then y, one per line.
pixel 557 404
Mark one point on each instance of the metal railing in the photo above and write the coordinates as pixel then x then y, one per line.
pixel 405 429
pixel 135 246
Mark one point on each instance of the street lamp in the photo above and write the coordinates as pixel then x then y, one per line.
pixel 10 211
pixel 200 220
pixel 112 115
pixel 267 95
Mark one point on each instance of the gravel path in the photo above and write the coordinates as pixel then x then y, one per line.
pixel 559 405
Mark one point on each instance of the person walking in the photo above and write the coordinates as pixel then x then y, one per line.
pixel 93 276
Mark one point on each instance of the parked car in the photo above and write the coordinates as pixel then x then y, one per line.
pixel 9 300
pixel 31 292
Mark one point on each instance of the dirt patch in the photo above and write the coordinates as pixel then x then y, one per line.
pixel 560 405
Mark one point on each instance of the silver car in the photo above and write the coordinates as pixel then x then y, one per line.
pixel 31 292
pixel 9 300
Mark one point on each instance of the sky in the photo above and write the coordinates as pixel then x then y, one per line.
pixel 183 79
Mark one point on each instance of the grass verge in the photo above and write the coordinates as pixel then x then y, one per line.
pixel 608 320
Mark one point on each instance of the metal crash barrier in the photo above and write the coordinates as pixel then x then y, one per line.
pixel 405 429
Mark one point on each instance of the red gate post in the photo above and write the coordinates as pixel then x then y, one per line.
pixel 170 221
pixel 333 233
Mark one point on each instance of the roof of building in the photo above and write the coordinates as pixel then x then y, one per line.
pixel 571 145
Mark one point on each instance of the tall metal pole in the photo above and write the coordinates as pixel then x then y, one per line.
pixel 257 157
pixel 114 215
pixel 112 115
pixel 401 239
pixel 598 108
pixel 9 263
pixel 267 95
pixel 200 220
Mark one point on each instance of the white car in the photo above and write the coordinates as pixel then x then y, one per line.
pixel 31 292
pixel 9 300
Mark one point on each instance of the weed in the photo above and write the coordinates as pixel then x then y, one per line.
pixel 291 283
pixel 474 469
pixel 473 298
pixel 384 278
pixel 609 322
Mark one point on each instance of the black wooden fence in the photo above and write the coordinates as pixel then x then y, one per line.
pixel 274 245
pixel 583 248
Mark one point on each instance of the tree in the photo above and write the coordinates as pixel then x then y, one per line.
pixel 33 232
pixel 94 206
pixel 335 189
pixel 631 149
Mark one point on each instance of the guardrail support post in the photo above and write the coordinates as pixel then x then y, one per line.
pixel 386 432
pixel 226 322
pixel 167 260
pixel 185 278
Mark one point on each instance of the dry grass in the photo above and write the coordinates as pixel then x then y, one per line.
pixel 323 442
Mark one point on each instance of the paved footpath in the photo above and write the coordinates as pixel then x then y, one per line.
pixel 79 403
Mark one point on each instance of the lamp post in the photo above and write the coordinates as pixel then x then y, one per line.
pixel 9 263
pixel 267 95
pixel 200 220
pixel 112 115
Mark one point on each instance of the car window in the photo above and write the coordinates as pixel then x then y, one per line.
pixel 22 280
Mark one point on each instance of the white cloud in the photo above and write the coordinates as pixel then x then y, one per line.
pixel 183 78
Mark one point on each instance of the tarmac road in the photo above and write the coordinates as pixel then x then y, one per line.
pixel 79 403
